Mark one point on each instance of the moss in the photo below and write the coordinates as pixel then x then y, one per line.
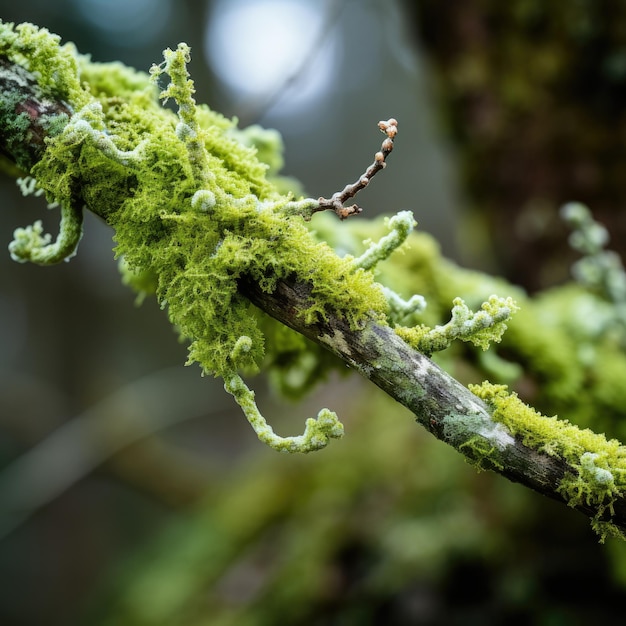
pixel 599 464
pixel 195 207
pixel 192 207
pixel 141 166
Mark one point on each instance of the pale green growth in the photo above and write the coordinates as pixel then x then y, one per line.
pixel 304 207
pixel 203 200
pixel 401 225
pixel 479 438
pixel 181 90
pixel 601 476
pixel 599 463
pixel 145 282
pixel 40 52
pixel 317 433
pixel 55 67
pixel 599 269
pixel 268 143
pixel 400 309
pixel 85 124
pixel 480 328
pixel 28 186
pixel 194 212
pixel 31 244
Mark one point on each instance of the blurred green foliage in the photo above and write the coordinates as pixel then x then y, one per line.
pixel 533 94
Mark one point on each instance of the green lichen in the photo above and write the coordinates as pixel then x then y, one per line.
pixel 401 225
pixel 31 244
pixel 316 435
pixel 480 328
pixel 598 476
pixel 54 65
pixel 194 211
pixel 17 126
pixel 478 437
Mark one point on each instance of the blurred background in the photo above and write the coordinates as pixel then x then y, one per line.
pixel 132 492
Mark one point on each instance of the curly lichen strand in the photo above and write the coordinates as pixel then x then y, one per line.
pixel 181 90
pixel 84 124
pixel 317 433
pixel 479 328
pixel 401 225
pixel 599 270
pixel 31 244
pixel 191 209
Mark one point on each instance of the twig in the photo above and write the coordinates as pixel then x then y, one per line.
pixel 336 201
pixel 309 206
pixel 440 403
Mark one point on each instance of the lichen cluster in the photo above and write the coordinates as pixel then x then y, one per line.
pixel 563 352
pixel 599 464
pixel 191 206
pixel 481 328
pixel 599 270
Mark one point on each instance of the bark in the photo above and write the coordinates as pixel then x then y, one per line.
pixel 439 402
pixel 23 125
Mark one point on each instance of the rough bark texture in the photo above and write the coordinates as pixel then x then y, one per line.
pixel 23 122
pixel 438 401
pixel 441 404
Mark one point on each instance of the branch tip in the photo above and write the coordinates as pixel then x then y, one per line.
pixel 336 201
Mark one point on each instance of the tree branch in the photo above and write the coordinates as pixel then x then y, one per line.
pixel 441 404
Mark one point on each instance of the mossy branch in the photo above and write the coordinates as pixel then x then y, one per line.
pixel 192 207
pixel 491 433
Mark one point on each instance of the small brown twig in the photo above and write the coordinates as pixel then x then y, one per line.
pixel 336 201
pixel 308 206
